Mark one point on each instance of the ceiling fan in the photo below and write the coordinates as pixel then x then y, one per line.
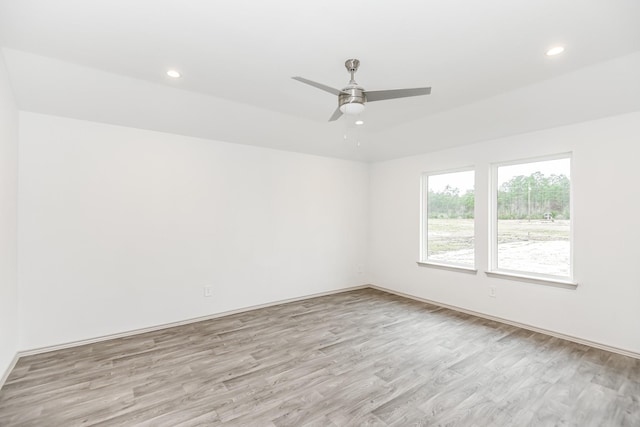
pixel 351 98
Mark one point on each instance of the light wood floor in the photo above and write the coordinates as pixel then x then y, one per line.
pixel 357 358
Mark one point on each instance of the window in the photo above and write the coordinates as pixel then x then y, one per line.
pixel 448 218
pixel 531 218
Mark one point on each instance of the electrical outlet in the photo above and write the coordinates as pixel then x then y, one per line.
pixel 208 291
pixel 492 291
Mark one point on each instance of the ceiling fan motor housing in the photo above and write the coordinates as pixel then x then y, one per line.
pixel 353 95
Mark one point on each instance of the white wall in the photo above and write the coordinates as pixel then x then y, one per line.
pixel 121 228
pixel 605 308
pixel 8 222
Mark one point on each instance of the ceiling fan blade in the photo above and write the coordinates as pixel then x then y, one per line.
pixel 318 85
pixel 379 95
pixel 336 115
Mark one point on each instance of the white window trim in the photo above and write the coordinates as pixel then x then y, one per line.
pixel 538 278
pixel 494 271
pixel 423 257
pixel 448 266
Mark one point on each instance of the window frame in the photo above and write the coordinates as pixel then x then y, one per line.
pixel 424 223
pixel 493 269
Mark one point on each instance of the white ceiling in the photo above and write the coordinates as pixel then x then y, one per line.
pixel 106 61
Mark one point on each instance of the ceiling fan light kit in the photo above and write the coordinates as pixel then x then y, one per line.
pixel 352 108
pixel 351 98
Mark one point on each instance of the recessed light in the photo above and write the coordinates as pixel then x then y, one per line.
pixel 359 122
pixel 555 51
pixel 173 73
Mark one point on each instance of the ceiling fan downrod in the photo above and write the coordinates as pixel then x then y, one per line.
pixel 352 66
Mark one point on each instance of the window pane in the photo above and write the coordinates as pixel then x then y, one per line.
pixel 534 217
pixel 450 225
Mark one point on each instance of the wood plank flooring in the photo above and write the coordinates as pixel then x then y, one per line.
pixel 357 358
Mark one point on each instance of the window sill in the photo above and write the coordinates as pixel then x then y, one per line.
pixel 559 283
pixel 450 267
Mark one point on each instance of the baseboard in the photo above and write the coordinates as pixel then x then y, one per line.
pixel 9 369
pixel 513 323
pixel 71 344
